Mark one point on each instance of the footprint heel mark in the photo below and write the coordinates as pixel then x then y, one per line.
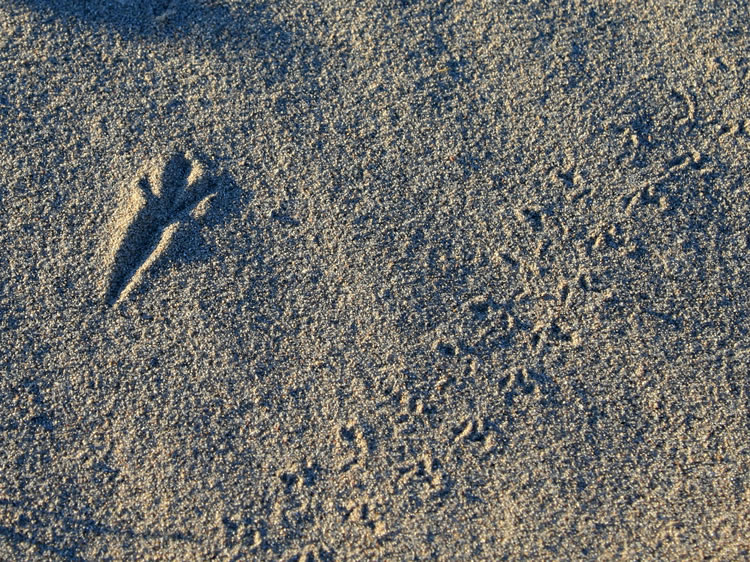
pixel 160 201
pixel 154 252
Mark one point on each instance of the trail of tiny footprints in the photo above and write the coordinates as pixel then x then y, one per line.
pixel 159 201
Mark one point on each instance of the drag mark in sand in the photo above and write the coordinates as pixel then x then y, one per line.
pixel 159 201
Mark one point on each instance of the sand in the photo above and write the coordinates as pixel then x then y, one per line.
pixel 378 280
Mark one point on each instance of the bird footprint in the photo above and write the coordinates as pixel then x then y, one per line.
pixel 159 201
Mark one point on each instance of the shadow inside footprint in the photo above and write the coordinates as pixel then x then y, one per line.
pixel 165 209
pixel 189 244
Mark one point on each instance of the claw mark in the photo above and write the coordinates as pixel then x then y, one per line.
pixel 159 202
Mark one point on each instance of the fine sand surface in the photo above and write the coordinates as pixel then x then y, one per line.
pixel 377 280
